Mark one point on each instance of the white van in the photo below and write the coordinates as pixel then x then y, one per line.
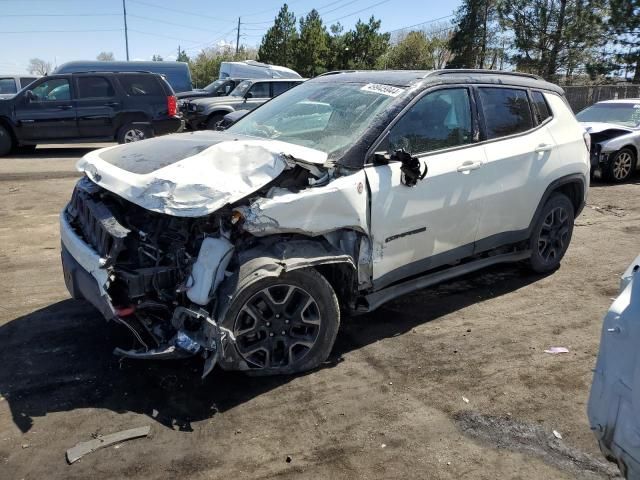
pixel 253 69
pixel 12 84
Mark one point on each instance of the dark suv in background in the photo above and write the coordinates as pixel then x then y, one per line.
pixel 89 107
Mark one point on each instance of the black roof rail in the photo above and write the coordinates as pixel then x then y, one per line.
pixel 478 71
pixel 109 71
pixel 335 72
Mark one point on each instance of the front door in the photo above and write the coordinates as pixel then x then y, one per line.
pixel 434 222
pixel 49 113
pixel 97 106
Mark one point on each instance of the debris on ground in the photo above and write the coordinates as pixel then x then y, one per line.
pixel 556 350
pixel 289 458
pixel 557 435
pixel 465 399
pixel 83 448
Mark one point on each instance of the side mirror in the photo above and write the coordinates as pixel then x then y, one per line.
pixel 29 96
pixel 248 95
pixel 412 168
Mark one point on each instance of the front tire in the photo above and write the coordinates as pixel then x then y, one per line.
pixel 284 325
pixel 6 142
pixel 552 233
pixel 621 165
pixel 130 133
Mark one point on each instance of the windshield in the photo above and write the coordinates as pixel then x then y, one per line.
pixel 328 117
pixel 624 114
pixel 241 89
pixel 213 86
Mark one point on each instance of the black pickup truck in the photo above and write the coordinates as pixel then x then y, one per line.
pixel 89 107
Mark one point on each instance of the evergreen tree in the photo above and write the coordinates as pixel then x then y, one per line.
pixel 312 49
pixel 413 52
pixel 475 33
pixel 278 44
pixel 366 44
pixel 625 23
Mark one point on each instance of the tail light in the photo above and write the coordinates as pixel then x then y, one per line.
pixel 172 105
pixel 587 141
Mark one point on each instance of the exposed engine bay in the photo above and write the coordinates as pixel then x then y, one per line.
pixel 163 271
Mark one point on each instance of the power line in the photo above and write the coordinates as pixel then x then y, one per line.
pixel 338 7
pixel 184 12
pixel 62 15
pixel 63 31
pixel 171 23
pixel 421 23
pixel 358 11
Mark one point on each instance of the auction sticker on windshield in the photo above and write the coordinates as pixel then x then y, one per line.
pixel 383 89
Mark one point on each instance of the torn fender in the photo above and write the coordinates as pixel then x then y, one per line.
pixel 315 211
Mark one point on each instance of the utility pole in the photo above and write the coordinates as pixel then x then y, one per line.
pixel 126 34
pixel 237 37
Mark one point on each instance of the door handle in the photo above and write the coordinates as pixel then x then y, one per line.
pixel 111 104
pixel 466 167
pixel 64 107
pixel 543 147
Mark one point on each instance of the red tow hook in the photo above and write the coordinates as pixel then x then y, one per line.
pixel 125 311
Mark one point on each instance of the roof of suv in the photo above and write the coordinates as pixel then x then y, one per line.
pixel 406 78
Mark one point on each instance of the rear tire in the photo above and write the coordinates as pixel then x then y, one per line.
pixel 286 324
pixel 551 234
pixel 621 166
pixel 130 133
pixel 213 120
pixel 6 142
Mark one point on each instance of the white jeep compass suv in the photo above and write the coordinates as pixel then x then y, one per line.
pixel 347 191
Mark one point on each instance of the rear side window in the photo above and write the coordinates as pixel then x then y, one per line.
pixel 281 87
pixel 506 111
pixel 94 87
pixel 540 106
pixel 260 90
pixel 24 81
pixel 8 85
pixel 141 85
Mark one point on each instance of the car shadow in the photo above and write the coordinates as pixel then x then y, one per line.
pixel 59 358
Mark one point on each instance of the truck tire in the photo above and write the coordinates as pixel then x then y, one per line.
pixel 6 142
pixel 284 325
pixel 551 234
pixel 213 120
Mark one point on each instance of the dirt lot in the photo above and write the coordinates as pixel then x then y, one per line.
pixel 389 403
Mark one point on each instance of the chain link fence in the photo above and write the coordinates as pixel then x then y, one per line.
pixel 583 96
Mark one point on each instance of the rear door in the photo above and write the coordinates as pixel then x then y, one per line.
pixel 517 148
pixel 97 106
pixel 50 114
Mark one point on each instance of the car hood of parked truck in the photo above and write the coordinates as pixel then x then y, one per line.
pixel 193 174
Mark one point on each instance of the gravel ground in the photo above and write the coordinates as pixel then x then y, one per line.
pixel 390 403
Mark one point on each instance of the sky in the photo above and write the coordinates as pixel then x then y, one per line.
pixel 63 30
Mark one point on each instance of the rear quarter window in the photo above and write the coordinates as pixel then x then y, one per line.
pixel 540 107
pixel 141 85
pixel 506 111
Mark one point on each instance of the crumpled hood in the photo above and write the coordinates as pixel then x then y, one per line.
pixel 192 174
pixel 597 127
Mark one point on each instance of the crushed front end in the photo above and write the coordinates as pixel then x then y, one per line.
pixel 152 272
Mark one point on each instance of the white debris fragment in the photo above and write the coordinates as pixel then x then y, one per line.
pixel 465 399
pixel 557 435
pixel 556 350
pixel 384 445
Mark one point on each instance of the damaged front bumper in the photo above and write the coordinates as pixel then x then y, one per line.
pixel 186 331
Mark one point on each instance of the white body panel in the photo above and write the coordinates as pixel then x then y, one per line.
pixel 251 69
pixel 446 204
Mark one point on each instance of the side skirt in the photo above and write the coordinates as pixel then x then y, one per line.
pixel 374 300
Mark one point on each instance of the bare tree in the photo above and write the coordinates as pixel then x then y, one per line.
pixel 105 57
pixel 37 66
